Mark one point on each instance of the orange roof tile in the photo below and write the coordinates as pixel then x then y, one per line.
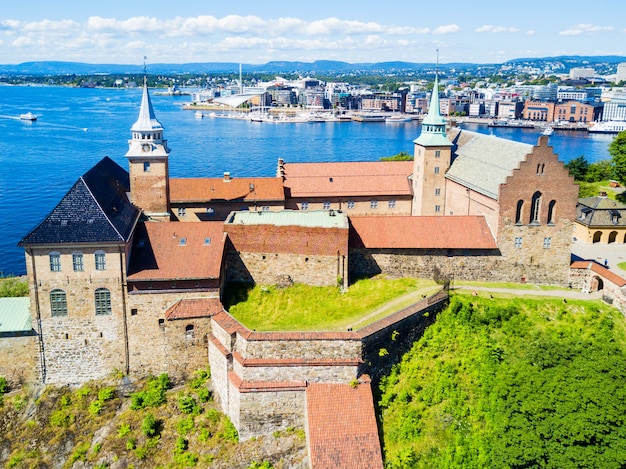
pixel 194 308
pixel 177 251
pixel 600 270
pixel 407 232
pixel 348 179
pixel 342 427
pixel 219 189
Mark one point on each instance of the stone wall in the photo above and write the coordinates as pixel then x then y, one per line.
pixel 19 358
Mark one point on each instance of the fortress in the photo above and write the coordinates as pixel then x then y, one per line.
pixel 128 270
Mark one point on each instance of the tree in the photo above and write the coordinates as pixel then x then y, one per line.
pixel 599 171
pixel 578 168
pixel 617 149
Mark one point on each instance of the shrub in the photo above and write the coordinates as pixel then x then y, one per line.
pixel 106 394
pixel 154 394
pixel 201 377
pixel 95 407
pixel 80 452
pixel 230 432
pixel 204 394
pixel 149 426
pixel 61 418
pixel 123 430
pixel 185 425
pixel 188 405
pixel 83 392
pixel 131 444
pixel 4 386
pixel 260 465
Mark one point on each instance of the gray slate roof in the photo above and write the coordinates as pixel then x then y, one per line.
pixel 483 162
pixel 95 210
pixel 600 211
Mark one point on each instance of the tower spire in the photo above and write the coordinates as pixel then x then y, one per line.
pixel 433 125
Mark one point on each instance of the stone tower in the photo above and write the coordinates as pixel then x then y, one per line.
pixel 148 163
pixel 432 155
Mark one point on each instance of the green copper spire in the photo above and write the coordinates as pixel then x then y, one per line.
pixel 433 126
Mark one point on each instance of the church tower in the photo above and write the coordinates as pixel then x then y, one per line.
pixel 148 163
pixel 432 158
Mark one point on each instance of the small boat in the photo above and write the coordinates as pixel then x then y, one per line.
pixel 547 131
pixel 29 116
pixel 199 114
pixel 365 117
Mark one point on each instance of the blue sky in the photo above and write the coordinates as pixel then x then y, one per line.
pixel 116 31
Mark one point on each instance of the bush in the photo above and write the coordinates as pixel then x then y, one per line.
pixel 204 394
pixel 230 432
pixel 123 430
pixel 106 394
pixel 188 405
pixel 201 377
pixel 154 394
pixel 185 425
pixel 4 386
pixel 95 407
pixel 13 287
pixel 61 418
pixel 149 426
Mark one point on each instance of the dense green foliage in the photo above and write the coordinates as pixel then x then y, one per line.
pixel 617 149
pixel 510 384
pixel 153 395
pixel 13 287
pixel 583 171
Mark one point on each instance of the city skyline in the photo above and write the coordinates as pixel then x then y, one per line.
pixel 258 32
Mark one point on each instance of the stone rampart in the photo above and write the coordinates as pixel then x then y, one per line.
pixel 19 358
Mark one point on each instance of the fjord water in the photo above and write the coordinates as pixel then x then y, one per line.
pixel 76 127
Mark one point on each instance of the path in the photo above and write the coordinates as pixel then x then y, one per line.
pixel 573 294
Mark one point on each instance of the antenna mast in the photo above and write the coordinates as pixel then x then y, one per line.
pixel 145 75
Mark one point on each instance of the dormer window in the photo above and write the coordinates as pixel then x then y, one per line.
pixel 182 242
pixel 615 216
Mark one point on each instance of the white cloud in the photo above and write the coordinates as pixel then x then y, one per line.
pixel 447 29
pixel 47 26
pixel 495 29
pixel 530 32
pixel 9 25
pixel 581 29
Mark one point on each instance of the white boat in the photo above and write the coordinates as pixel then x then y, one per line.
pixel 365 117
pixel 547 131
pixel 29 116
pixel 608 127
pixel 398 118
pixel 199 114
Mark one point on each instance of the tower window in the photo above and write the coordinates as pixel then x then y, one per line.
pixel 58 303
pixel 437 191
pixel 437 208
pixel 437 153
pixel 77 261
pixel 518 242
pixel 436 169
pixel 547 242
pixel 101 260
pixel 103 302
pixel 146 166
pixel 55 262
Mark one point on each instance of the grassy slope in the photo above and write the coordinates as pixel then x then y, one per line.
pixel 301 307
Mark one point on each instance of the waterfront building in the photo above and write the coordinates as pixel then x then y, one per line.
pixel 600 220
pixel 575 111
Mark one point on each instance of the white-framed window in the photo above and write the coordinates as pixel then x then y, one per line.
pixel 265 208
pixel 103 302
pixel 437 191
pixel 351 204
pixel 374 204
pixel 55 262
pixel 182 211
pixel 392 204
pixel 304 205
pixel 518 242
pixel 326 205
pixel 77 261
pixel 58 302
pixel 101 260
pixel 182 242
pixel 547 242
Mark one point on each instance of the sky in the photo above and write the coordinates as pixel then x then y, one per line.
pixel 256 32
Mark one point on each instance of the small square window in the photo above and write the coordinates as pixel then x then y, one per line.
pixel 547 242
pixel 182 211
pixel 518 242
pixel 351 204
pixel 210 211
pixel 374 204
pixel 207 241
pixel 265 208
pixel 182 242
pixel 392 204
pixel 304 205
pixel 326 206
pixel 146 166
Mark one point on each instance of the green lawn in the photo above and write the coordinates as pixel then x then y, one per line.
pixel 306 308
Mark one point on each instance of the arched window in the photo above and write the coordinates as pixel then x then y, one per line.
pixel 519 212
pixel 551 206
pixel 612 236
pixel 189 331
pixel 103 302
pixel 58 302
pixel 597 236
pixel 534 208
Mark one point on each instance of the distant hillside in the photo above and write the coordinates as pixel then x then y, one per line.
pixel 561 63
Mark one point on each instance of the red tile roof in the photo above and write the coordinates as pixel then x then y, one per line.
pixel 342 427
pixel 348 179
pixel 177 251
pixel 600 270
pixel 406 232
pixel 194 308
pixel 219 189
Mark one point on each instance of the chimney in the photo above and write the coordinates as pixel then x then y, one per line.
pixel 226 177
pixel 602 194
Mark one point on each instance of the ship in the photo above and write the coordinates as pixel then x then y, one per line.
pixel 608 127
pixel 29 116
